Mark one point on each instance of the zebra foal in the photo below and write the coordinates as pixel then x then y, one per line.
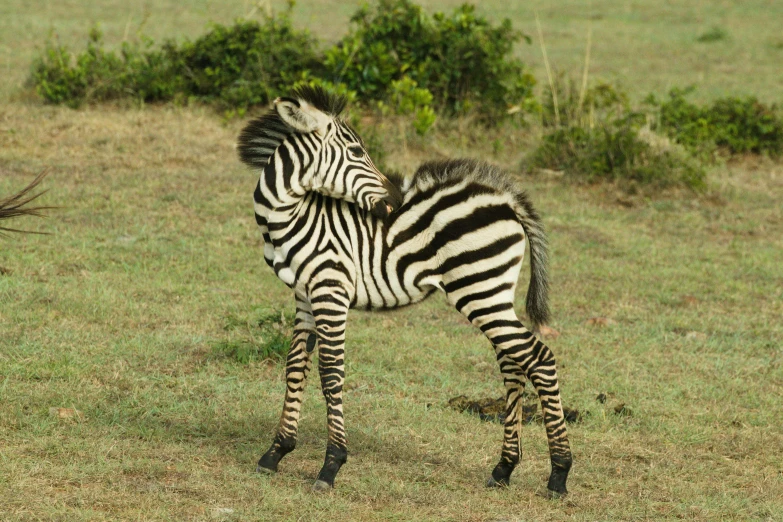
pixel 342 235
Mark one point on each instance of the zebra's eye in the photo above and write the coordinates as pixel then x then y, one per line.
pixel 356 151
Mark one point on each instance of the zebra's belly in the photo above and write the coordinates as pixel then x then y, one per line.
pixel 374 292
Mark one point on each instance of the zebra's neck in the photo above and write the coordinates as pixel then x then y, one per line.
pixel 285 180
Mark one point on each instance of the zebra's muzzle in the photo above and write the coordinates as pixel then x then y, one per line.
pixel 385 206
pixel 382 208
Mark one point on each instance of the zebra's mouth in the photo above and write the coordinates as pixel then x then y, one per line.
pixel 382 208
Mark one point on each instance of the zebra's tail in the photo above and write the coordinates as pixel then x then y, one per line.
pixel 537 303
pixel 16 205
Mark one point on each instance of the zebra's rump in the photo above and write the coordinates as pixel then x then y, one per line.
pixel 485 193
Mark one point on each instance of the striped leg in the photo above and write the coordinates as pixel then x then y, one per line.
pixel 519 354
pixel 330 309
pixel 514 381
pixel 296 370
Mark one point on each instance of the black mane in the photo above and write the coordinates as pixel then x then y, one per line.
pixel 261 137
pixel 321 99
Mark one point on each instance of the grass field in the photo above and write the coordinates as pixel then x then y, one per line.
pixel 154 258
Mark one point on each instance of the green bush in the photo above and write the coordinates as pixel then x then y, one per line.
pixel 236 66
pixel 405 99
pixel 97 74
pixel 621 150
pixel 462 59
pixel 738 125
pixel 244 64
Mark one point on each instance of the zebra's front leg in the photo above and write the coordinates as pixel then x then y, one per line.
pixel 297 367
pixel 330 309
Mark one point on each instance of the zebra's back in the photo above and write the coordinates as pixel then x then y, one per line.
pixel 458 230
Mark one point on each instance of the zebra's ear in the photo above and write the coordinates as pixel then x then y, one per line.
pixel 302 116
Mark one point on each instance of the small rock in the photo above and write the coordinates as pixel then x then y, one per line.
pixel 600 322
pixel 65 413
pixel 689 300
pixel 696 336
pixel 218 512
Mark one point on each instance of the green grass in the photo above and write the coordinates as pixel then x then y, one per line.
pixel 154 252
pixel 154 261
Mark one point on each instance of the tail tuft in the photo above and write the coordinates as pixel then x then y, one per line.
pixel 537 303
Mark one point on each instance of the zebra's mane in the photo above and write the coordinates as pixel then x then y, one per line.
pixel 321 99
pixel 262 136
pixel 450 171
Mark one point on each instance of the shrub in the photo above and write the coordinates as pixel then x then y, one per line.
pixel 246 64
pixel 618 150
pixel 738 125
pixel 462 59
pixel 405 99
pixel 746 125
pixel 237 66
pixel 94 75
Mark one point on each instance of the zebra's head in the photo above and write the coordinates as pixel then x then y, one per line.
pixel 333 157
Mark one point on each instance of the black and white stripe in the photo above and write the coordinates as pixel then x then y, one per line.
pixel 342 236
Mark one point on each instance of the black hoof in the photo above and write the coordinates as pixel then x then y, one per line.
pixel 552 495
pixel 265 471
pixel 492 483
pixel 321 486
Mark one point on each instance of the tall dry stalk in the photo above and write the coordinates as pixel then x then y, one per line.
pixel 16 205
pixel 548 70
pixel 585 72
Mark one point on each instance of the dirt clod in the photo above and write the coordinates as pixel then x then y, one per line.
pixel 547 332
pixel 689 300
pixel 494 410
pixel 601 398
pixel 571 415
pixel 600 322
pixel 622 409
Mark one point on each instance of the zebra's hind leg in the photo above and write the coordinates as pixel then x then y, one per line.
pixel 514 381
pixel 297 367
pixel 519 353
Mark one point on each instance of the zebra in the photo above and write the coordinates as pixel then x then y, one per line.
pixel 342 235
pixel 18 205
